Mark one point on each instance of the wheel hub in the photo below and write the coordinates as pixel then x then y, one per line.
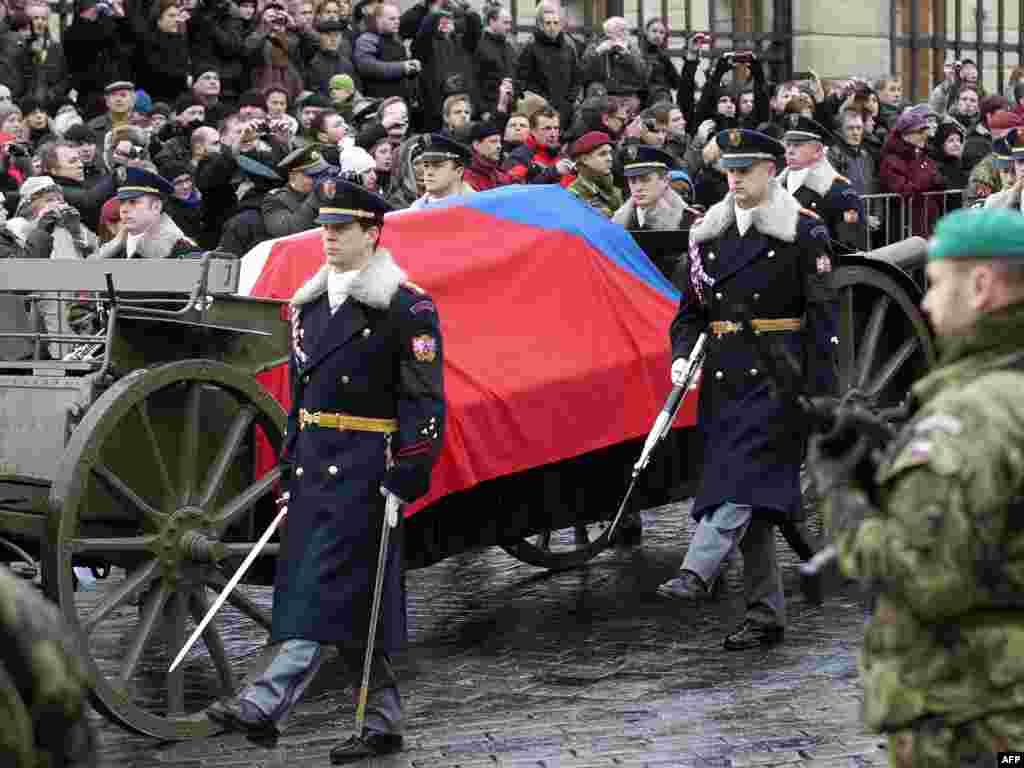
pixel 187 544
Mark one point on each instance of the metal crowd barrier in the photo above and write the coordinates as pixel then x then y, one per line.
pixel 890 217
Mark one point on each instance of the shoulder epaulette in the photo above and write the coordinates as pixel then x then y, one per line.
pixel 809 212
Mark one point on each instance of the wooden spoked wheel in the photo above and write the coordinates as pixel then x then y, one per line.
pixel 159 483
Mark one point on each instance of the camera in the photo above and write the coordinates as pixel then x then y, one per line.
pixel 18 150
pixel 260 127
pixel 650 126
pixel 104 8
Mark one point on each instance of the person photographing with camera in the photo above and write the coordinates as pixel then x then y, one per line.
pixel 616 64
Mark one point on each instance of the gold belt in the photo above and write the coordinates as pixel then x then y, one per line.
pixel 343 421
pixel 760 325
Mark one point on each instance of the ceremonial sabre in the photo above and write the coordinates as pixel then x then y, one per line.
pixel 390 521
pixel 663 423
pixel 253 554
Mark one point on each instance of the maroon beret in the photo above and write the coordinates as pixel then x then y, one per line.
pixel 588 142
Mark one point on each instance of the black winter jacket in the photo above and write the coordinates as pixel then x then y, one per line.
pixel 550 68
pixel 495 60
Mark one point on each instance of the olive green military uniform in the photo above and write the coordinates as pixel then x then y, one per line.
pixel 942 544
pixel 43 685
pixel 984 180
pixel 285 211
pixel 601 194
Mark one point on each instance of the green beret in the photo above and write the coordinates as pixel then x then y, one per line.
pixel 987 233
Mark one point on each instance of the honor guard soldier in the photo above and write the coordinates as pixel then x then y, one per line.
pixel 594 156
pixel 148 232
pixel 935 526
pixel 444 163
pixel 652 203
pixel 810 177
pixel 366 422
pixel 292 208
pixel 756 257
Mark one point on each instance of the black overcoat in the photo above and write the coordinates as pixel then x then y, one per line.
pixel 753 441
pixel 380 356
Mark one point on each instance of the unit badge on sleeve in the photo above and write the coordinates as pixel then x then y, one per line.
pixel 424 348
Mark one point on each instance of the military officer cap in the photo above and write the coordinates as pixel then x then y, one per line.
pixel 1001 154
pixel 119 85
pixel 483 130
pixel 742 147
pixel 800 129
pixel 437 146
pixel 307 159
pixel 588 142
pixel 1015 143
pixel 978 233
pixel 257 169
pixel 638 159
pixel 136 182
pixel 345 202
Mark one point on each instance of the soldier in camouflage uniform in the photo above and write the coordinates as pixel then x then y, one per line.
pixel 594 185
pixel 987 176
pixel 937 530
pixel 43 685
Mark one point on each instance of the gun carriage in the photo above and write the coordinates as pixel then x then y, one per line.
pixel 135 458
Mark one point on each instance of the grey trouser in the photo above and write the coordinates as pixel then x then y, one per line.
pixel 717 534
pixel 293 668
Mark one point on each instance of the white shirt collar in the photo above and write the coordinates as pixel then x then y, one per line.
pixel 744 218
pixel 131 245
pixel 795 179
pixel 641 214
pixel 338 286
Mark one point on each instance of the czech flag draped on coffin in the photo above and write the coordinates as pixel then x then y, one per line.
pixel 555 326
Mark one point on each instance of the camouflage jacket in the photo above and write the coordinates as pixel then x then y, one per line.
pixel 983 181
pixel 945 545
pixel 606 198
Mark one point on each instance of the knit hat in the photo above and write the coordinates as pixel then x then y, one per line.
pixel 910 121
pixel 372 135
pixel 341 81
pixel 356 160
pixel 161 108
pixel 1003 121
pixel 65 121
pixel 947 128
pixel 31 104
pixel 79 133
pixel 186 101
pixel 8 109
pixel 35 185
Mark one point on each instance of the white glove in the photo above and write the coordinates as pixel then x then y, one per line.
pixel 392 505
pixel 679 368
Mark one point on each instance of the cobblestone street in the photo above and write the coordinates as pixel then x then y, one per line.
pixel 509 665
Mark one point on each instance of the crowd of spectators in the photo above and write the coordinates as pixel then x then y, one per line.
pixel 244 106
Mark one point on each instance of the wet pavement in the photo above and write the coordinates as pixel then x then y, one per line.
pixel 509 665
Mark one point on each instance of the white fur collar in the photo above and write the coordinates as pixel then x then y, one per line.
pixel 819 178
pixel 375 285
pixel 158 245
pixel 667 212
pixel 777 217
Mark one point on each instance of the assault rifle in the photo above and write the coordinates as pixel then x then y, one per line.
pixel 826 415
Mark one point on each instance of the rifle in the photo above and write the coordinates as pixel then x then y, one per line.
pixel 824 415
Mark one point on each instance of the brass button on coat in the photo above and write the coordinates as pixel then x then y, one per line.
pixel 345 379
pixel 299 472
pixel 719 374
pixel 332 470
